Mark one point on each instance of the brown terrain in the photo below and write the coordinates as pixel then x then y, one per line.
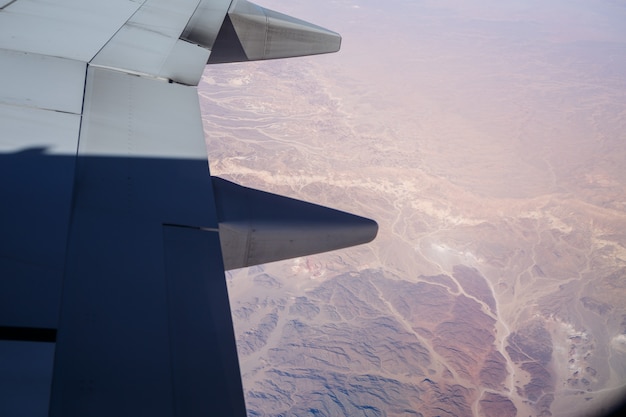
pixel 488 142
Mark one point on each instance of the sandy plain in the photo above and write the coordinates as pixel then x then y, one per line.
pixel 488 142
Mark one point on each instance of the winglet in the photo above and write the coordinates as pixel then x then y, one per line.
pixel 258 227
pixel 250 33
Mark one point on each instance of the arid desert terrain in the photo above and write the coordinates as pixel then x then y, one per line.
pixel 488 141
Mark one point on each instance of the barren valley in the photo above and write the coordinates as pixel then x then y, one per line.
pixel 488 143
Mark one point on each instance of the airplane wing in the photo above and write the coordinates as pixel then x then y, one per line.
pixel 113 235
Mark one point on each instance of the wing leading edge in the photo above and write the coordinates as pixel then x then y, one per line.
pixel 113 235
